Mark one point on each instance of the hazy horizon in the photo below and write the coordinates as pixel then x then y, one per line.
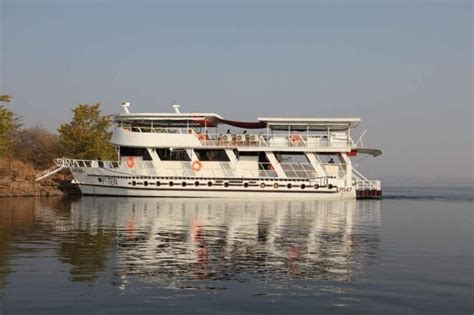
pixel 404 67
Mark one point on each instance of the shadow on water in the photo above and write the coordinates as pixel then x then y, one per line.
pixel 173 242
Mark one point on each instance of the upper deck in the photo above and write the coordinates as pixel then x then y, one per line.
pixel 209 130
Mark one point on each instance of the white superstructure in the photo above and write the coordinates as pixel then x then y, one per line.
pixel 204 155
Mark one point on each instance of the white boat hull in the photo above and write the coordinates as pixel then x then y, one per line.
pixel 180 192
pixel 108 183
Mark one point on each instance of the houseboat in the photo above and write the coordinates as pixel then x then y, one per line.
pixel 205 155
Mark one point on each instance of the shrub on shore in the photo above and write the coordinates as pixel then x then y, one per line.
pixel 86 136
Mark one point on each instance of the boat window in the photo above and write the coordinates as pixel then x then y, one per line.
pixel 327 158
pixel 143 152
pixel 247 153
pixel 291 157
pixel 173 155
pixel 212 155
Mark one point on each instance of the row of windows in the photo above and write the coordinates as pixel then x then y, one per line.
pixel 218 155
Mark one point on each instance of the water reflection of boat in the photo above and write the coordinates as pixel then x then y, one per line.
pixel 171 240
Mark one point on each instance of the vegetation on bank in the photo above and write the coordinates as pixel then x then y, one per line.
pixel 26 150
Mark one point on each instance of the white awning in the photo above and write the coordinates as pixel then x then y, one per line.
pixel 311 123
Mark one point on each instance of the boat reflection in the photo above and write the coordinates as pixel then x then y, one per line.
pixel 172 240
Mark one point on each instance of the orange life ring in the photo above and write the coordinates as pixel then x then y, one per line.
pixel 295 138
pixel 130 161
pixel 196 166
pixel 202 137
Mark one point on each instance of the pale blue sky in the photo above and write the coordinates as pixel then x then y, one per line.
pixel 404 67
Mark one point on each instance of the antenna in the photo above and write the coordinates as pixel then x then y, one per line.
pixel 176 108
pixel 360 139
pixel 125 106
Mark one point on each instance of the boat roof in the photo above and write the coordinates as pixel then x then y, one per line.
pixel 311 123
pixel 163 116
pixel 212 120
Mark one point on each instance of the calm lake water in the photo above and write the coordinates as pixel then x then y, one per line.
pixel 409 253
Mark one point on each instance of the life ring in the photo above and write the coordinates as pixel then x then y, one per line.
pixel 130 161
pixel 295 138
pixel 197 165
pixel 202 136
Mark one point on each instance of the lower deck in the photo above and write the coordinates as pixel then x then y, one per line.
pixel 205 187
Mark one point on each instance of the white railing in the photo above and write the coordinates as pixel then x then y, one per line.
pixel 256 140
pixel 363 183
pixel 146 168
pixel 48 172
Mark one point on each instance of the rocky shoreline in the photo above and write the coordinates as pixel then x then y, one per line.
pixel 30 188
pixel 18 180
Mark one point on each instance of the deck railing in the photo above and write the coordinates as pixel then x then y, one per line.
pixel 256 140
pixel 363 183
pixel 259 140
pixel 146 168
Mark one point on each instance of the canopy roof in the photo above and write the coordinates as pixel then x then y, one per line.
pixel 212 120
pixel 310 123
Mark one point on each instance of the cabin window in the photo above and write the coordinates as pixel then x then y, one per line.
pixel 173 155
pixel 291 157
pixel 212 155
pixel 247 153
pixel 328 158
pixel 126 151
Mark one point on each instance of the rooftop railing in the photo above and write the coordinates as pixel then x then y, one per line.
pixel 321 140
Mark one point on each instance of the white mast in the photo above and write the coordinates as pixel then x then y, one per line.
pixel 176 108
pixel 125 106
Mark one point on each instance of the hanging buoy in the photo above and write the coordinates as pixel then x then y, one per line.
pixel 130 161
pixel 295 138
pixel 196 166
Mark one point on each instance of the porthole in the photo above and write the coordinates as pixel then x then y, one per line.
pixel 134 183
pixel 288 186
pixel 262 185
pixel 183 184
pixel 276 185
pixel 226 184
pixel 158 184
pixel 316 186
pixel 330 186
pixel 246 185
pixel 170 184
pixel 145 183
pixel 209 184
pixel 303 186
pixel 196 184
pixel 99 179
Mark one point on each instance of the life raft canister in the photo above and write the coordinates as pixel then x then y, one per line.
pixel 352 153
pixel 130 161
pixel 197 165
